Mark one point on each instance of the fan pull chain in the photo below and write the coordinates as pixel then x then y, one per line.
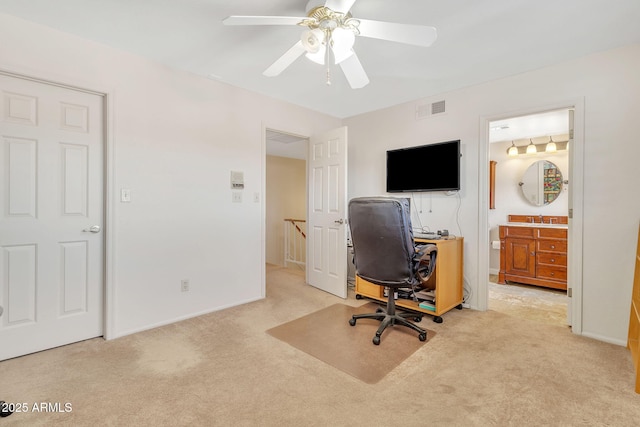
pixel 326 59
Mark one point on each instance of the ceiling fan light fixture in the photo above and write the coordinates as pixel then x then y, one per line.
pixel 318 56
pixel 342 40
pixel 312 40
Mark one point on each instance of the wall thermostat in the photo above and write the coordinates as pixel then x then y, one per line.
pixel 237 180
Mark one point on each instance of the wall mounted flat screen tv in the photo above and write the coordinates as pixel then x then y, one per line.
pixel 433 167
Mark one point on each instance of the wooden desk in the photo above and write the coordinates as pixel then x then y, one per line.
pixel 447 279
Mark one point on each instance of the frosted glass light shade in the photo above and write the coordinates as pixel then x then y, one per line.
pixel 318 57
pixel 531 149
pixel 312 40
pixel 342 41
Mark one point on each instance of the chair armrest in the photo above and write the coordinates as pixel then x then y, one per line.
pixel 425 261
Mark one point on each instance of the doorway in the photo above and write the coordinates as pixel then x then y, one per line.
pixel 547 135
pixel 325 185
pixel 285 198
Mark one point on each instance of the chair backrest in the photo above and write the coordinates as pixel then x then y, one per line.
pixel 383 246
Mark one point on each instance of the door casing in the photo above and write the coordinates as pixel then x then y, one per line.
pixel 576 180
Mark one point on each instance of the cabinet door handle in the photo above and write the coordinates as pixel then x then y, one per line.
pixel 553 246
pixel 553 274
pixel 553 260
pixel 533 254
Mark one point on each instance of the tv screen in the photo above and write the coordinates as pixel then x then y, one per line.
pixel 433 167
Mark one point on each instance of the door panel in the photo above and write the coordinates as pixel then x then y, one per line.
pixel 327 242
pixel 51 270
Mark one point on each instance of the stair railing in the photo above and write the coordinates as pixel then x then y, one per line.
pixel 295 242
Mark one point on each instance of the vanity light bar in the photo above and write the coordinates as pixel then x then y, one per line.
pixel 540 148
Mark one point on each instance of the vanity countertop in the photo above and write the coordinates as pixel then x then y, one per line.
pixel 534 224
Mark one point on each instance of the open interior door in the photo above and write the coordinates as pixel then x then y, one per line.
pixel 571 230
pixel 326 212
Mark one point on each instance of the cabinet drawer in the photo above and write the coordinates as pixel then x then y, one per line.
pixel 553 233
pixel 519 232
pixel 552 245
pixel 553 273
pixel 551 259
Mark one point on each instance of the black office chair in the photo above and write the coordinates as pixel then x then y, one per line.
pixel 385 254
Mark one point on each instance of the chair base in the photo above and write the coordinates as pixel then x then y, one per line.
pixel 389 317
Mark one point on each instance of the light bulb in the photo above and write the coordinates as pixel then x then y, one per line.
pixel 513 150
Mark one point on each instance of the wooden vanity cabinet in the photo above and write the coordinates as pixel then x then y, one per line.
pixel 533 255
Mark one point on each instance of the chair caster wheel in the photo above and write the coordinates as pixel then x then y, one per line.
pixel 352 321
pixel 376 340
pixel 437 319
pixel 4 409
pixel 417 319
pixel 358 296
pixel 422 337
pixel 379 310
pixel 459 306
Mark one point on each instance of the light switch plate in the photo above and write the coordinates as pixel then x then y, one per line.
pixel 125 195
pixel 236 197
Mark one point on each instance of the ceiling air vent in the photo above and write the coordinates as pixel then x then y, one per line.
pixel 427 110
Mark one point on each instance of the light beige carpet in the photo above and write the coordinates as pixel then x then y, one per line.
pixel 327 336
pixel 483 369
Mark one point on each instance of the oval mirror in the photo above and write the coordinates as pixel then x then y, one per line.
pixel 541 183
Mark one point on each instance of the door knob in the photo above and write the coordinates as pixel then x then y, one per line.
pixel 92 229
pixel 339 221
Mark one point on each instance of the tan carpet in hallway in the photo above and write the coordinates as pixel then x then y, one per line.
pixel 482 368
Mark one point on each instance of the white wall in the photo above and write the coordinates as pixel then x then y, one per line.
pixel 610 88
pixel 509 197
pixel 175 138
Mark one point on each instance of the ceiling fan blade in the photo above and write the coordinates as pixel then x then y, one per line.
pixel 263 20
pixel 353 71
pixel 342 6
pixel 285 60
pixel 418 35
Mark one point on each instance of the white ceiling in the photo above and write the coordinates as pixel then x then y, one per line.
pixel 477 41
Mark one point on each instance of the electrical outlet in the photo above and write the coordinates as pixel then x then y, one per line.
pixel 184 285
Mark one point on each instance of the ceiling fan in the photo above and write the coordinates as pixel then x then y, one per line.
pixel 330 32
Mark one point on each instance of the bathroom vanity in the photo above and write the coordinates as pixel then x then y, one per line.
pixel 533 250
